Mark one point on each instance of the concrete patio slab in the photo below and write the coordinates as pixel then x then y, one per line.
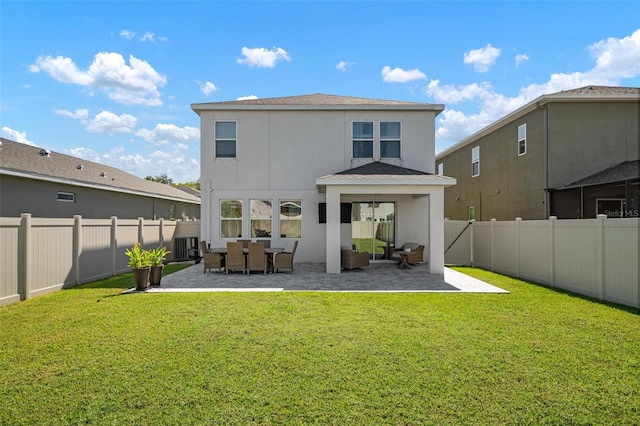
pixel 378 277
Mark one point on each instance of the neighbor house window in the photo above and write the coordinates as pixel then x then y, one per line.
pixel 231 218
pixel 475 161
pixel 522 139
pixel 472 213
pixel 441 169
pixel 225 136
pixel 290 218
pixel 390 139
pixel 67 197
pixel 261 214
pixel 172 212
pixel 362 139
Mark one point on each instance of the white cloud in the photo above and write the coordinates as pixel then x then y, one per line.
pixel 207 87
pixel 79 114
pixel 148 37
pixel 110 123
pixel 482 59
pixel 175 163
pixel 136 83
pixel 127 34
pixel 343 65
pixel 263 58
pixel 398 75
pixel 164 134
pixel 615 59
pixel 246 98
pixel 84 153
pixel 520 58
pixel 16 136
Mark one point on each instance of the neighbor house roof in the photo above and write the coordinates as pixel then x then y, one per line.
pixel 581 94
pixel 317 101
pixel 627 170
pixel 379 173
pixel 31 162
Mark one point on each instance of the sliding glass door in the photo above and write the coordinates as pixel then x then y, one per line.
pixel 373 228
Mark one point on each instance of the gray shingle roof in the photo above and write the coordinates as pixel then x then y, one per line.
pixel 627 170
pixel 26 160
pixel 601 90
pixel 317 101
pixel 380 168
pixel 378 172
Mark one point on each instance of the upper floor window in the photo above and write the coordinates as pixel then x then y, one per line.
pixel 225 136
pixel 67 197
pixel 522 139
pixel 390 139
pixel 290 218
pixel 475 161
pixel 362 139
pixel 261 214
pixel 441 169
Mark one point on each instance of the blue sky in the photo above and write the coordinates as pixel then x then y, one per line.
pixel 112 82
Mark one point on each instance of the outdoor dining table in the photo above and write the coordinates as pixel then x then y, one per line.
pixel 269 251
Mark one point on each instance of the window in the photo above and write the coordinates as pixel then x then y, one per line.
pixel 441 169
pixel 475 161
pixel 522 139
pixel 67 197
pixel 172 212
pixel 362 139
pixel 225 136
pixel 261 214
pixel 390 139
pixel 290 218
pixel 231 218
pixel 472 213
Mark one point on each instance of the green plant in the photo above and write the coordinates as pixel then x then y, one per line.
pixel 138 258
pixel 157 255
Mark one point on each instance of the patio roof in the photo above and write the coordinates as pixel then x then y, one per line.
pixel 379 173
pixel 628 170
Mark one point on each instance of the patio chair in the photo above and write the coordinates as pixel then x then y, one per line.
pixel 234 260
pixel 349 259
pixel 245 243
pixel 211 260
pixel 284 260
pixel 257 258
pixel 417 253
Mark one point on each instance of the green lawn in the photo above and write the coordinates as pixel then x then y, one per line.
pixel 92 355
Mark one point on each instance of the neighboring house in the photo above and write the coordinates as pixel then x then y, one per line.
pixel 49 184
pixel 325 170
pixel 572 154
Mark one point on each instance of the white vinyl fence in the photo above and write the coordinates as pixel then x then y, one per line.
pixel 593 257
pixel 39 255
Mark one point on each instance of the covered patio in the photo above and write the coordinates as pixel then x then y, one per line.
pixel 378 277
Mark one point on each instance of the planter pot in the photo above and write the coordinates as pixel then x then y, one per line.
pixel 156 275
pixel 141 278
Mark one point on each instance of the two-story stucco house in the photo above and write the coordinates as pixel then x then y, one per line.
pixel 324 170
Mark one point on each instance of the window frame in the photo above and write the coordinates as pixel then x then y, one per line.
pixel 289 219
pixel 441 169
pixel 253 219
pixel 362 140
pixel 229 219
pixel 391 139
pixel 522 140
pixel 71 199
pixel 475 161
pixel 217 139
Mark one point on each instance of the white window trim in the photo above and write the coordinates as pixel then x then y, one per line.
pixel 373 139
pixel 280 220
pixel 475 160
pixel 215 139
pixel 522 126
pixel 441 169
pixel 381 139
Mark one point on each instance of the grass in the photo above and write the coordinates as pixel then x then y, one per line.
pixel 92 355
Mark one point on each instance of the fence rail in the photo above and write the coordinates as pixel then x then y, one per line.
pixel 593 257
pixel 40 255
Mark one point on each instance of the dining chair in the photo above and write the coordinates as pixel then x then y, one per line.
pixel 257 258
pixel 284 260
pixel 234 260
pixel 211 260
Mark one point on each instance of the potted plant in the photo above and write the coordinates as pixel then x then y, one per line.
pixel 139 262
pixel 156 260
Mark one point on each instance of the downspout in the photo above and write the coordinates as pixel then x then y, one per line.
pixel 545 154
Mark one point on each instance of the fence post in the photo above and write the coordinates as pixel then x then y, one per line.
pixel 161 232
pixel 77 245
pixel 518 223
pixel 114 245
pixel 140 233
pixel 24 284
pixel 493 242
pixel 600 254
pixel 552 250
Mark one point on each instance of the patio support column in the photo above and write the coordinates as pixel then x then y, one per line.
pixel 436 230
pixel 333 230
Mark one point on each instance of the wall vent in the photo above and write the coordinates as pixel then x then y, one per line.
pixel 45 152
